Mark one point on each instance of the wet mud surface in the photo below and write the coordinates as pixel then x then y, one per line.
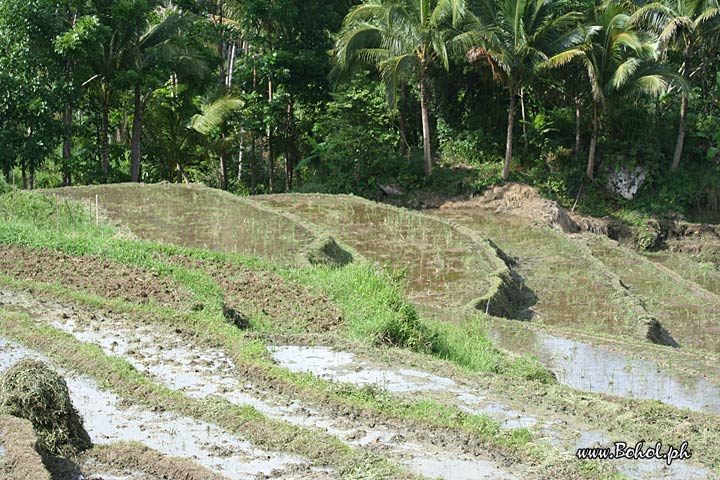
pixel 109 420
pixel 596 369
pixel 341 367
pixel 169 358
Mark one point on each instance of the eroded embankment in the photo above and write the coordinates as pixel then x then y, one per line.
pixel 577 296
pixel 689 312
pixel 171 359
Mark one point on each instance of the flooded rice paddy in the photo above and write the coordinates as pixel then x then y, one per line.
pixel 343 367
pixel 195 216
pixel 171 360
pixel 597 369
pixel 443 268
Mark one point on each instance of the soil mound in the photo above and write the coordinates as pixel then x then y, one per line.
pixel 31 390
pixel 22 460
pixel 99 276
pixel 326 251
pixel 523 201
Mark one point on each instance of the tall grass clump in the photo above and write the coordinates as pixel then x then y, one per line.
pixel 373 304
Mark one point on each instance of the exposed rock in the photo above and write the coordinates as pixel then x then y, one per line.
pixel 626 182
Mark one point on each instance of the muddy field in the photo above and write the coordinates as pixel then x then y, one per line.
pixel 189 365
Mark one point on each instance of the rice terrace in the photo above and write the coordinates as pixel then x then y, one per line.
pixel 319 336
pixel 360 240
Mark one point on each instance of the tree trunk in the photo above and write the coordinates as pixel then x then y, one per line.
pixel 593 144
pixel 136 136
pixel 402 119
pixel 223 163
pixel 32 175
pixel 683 112
pixel 67 146
pixel 270 150
pixel 524 118
pixel 241 156
pixel 509 139
pixel 289 147
pixel 425 108
pixel 578 126
pixel 104 138
pixel 253 182
pixel 23 171
pixel 271 163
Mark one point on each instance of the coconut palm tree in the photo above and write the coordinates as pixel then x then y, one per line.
pixel 620 61
pixel 518 37
pixel 685 25
pixel 403 39
pixel 140 57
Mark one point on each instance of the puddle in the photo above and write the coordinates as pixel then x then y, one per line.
pixel 439 261
pixel 592 368
pixel 460 470
pixel 344 367
pixel 195 216
pixel 170 359
pixel 107 422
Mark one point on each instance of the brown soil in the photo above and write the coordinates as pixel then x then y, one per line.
pixel 95 275
pixel 137 459
pixel 523 201
pixel 268 297
pixel 22 460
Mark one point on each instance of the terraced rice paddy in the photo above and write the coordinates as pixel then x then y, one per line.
pixel 221 366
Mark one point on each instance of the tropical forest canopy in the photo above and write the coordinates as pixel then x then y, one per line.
pixel 342 96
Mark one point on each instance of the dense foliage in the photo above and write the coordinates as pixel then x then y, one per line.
pixel 260 96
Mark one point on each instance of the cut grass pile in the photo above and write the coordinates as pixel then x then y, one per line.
pixel 33 391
